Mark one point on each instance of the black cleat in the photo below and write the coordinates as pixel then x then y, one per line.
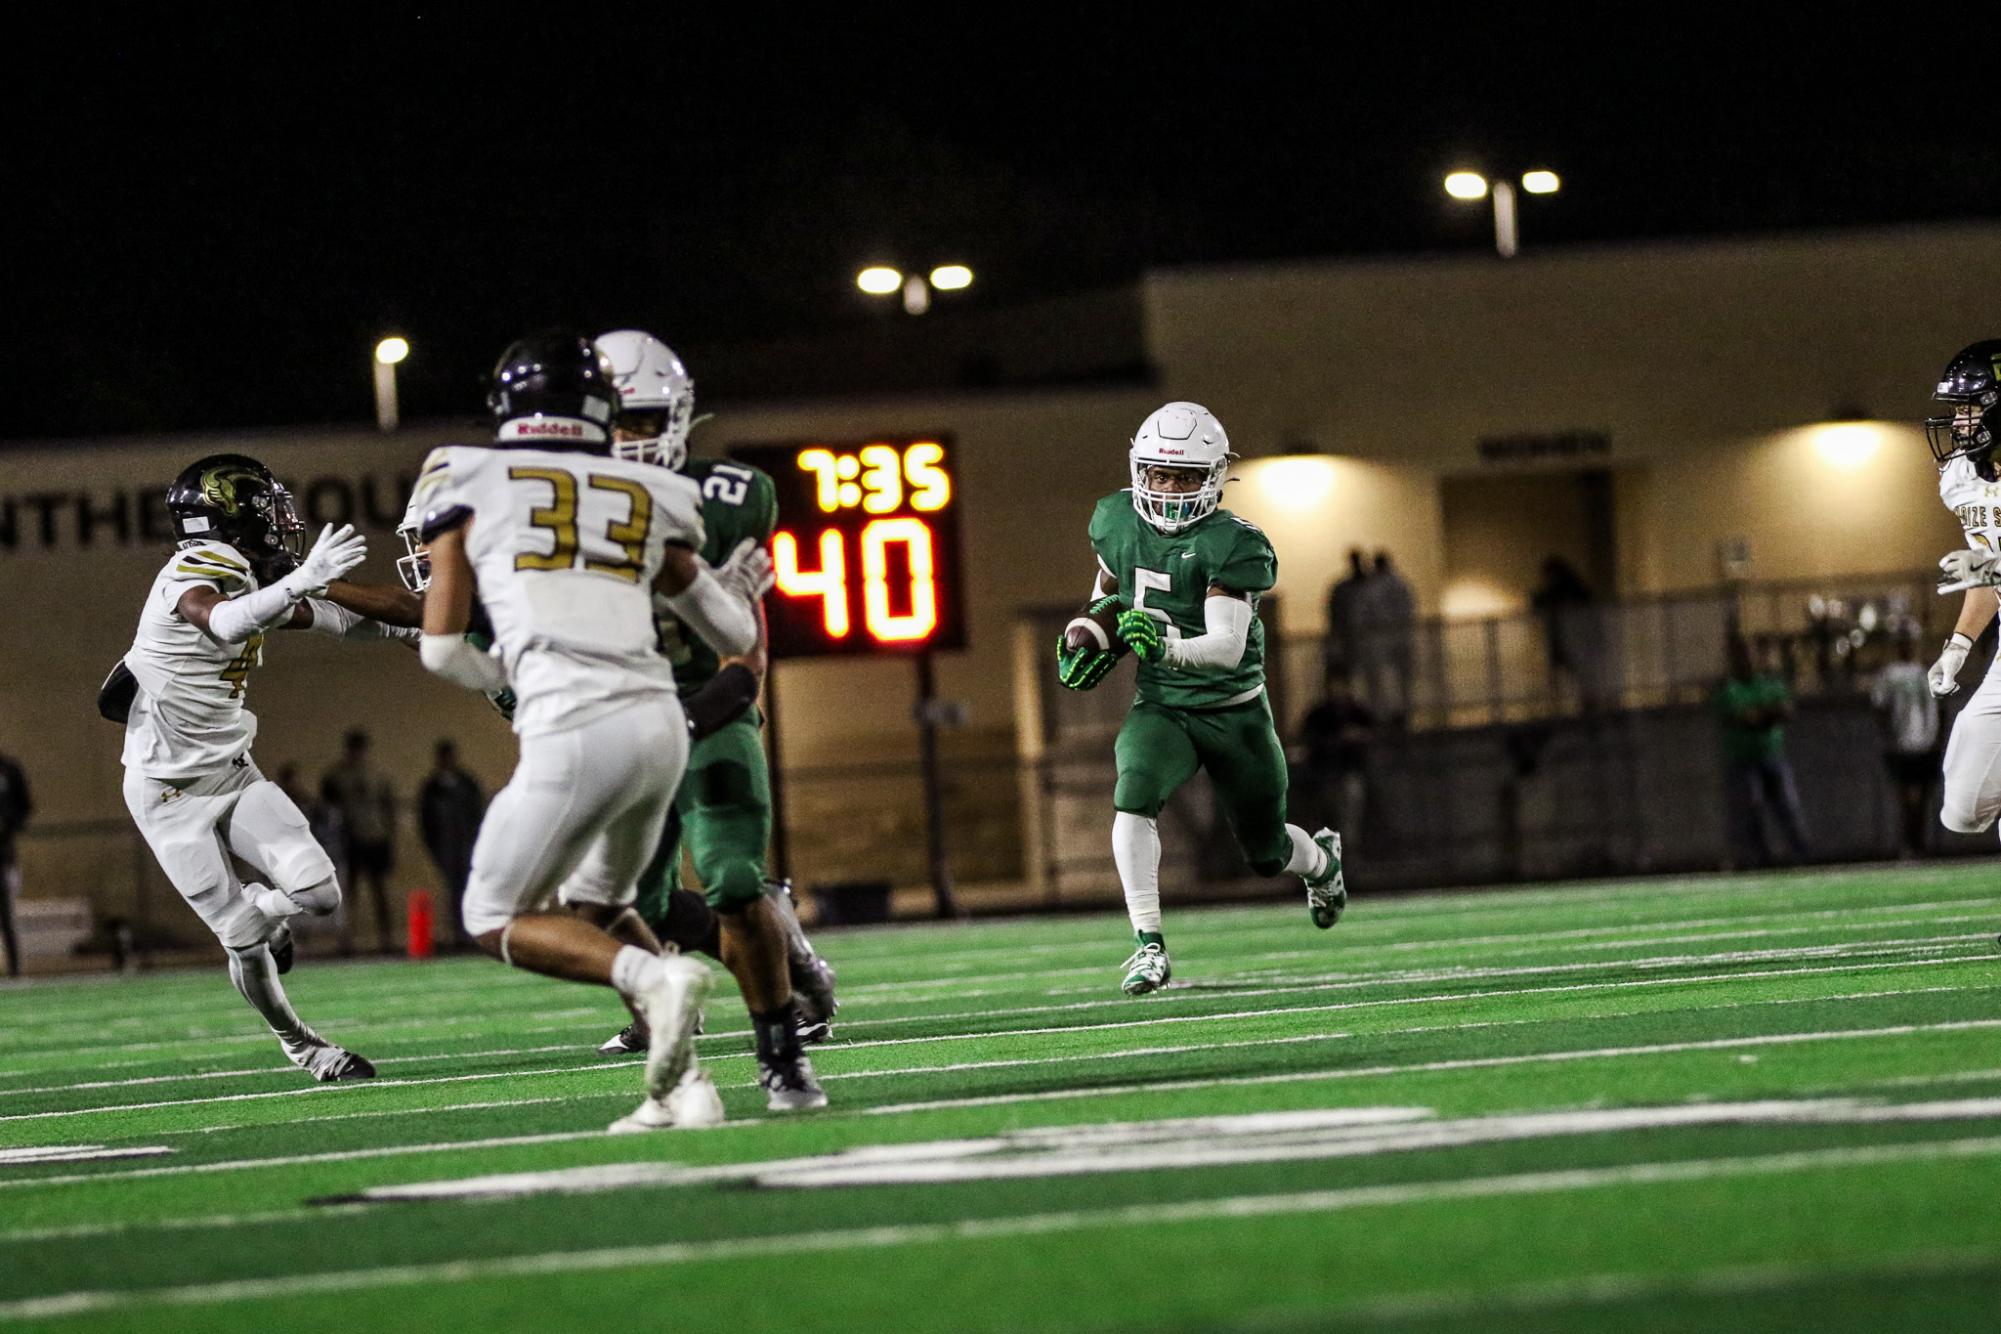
pixel 628 1041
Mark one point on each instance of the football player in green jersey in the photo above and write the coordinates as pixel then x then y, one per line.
pixel 723 807
pixel 1186 578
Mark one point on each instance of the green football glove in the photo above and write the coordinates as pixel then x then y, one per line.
pixel 1082 668
pixel 1141 633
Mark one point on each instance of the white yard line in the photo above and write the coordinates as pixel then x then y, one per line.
pixel 1432 1067
pixel 353 1089
pixel 839 1077
pixel 1918 945
pixel 1150 1215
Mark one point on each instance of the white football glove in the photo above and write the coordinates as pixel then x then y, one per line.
pixel 1971 568
pixel 1944 675
pixel 747 573
pixel 337 551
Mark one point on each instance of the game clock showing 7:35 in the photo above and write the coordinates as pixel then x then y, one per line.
pixel 866 553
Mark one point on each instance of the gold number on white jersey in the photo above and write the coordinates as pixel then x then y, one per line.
pixel 559 518
pixel 238 670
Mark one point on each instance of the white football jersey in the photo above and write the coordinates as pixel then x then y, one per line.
pixel 1974 501
pixel 188 718
pixel 565 548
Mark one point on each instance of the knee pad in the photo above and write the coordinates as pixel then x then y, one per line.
pixel 739 885
pixel 1961 818
pixel 321 899
pixel 237 924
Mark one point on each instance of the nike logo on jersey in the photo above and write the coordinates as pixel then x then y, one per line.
pixel 1188 555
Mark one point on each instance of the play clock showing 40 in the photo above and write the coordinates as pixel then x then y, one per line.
pixel 866 552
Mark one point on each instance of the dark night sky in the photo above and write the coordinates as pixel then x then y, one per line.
pixel 213 226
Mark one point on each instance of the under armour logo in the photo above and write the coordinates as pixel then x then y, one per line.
pixel 169 793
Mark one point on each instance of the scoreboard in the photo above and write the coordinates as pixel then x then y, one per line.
pixel 866 552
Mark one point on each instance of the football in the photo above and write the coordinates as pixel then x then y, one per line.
pixel 1095 630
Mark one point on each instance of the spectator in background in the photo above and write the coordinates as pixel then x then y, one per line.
pixel 366 803
pixel 1909 712
pixel 448 809
pixel 1565 605
pixel 1336 733
pixel 1344 617
pixel 1389 612
pixel 1753 707
pixel 15 808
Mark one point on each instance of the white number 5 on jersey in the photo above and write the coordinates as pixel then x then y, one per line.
pixel 1146 581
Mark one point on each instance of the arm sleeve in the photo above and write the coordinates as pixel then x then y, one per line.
pixel 1221 646
pixel 723 620
pixel 234 621
pixel 330 618
pixel 460 663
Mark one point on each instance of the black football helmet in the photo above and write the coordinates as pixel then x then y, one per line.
pixel 553 390
pixel 1972 385
pixel 233 498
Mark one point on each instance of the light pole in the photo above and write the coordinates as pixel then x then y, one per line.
pixel 1470 185
pixel 882 280
pixel 389 353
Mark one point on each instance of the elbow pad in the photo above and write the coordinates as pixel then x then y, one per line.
pixel 1228 622
pixel 724 621
pixel 460 663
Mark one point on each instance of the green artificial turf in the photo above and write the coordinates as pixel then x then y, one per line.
pixel 1744 1103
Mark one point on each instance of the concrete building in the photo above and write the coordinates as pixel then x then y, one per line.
pixel 1664 415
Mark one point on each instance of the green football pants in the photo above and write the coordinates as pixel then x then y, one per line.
pixel 724 811
pixel 1160 748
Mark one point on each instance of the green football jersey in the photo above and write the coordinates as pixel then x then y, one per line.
pixel 1169 575
pixel 738 501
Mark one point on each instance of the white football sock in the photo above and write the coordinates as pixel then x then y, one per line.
pixel 633 970
pixel 1309 859
pixel 1136 849
pixel 255 975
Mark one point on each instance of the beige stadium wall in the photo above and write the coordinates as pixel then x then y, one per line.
pixel 1712 368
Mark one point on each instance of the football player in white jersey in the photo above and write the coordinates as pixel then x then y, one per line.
pixel 565 547
pixel 1970 485
pixel 190 783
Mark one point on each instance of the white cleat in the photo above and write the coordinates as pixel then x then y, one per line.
pixel 694 1104
pixel 326 1062
pixel 672 1009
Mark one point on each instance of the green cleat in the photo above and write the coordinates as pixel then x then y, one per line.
pixel 1148 969
pixel 1327 895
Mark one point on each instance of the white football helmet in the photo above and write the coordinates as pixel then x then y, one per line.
pixel 1181 436
pixel 655 394
pixel 413 568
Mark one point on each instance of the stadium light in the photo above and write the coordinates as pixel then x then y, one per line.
pixel 1471 185
pixel 1466 185
pixel 882 280
pixel 879 280
pixel 389 353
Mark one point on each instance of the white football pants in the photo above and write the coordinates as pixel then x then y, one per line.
pixel 193 825
pixel 1972 798
pixel 590 800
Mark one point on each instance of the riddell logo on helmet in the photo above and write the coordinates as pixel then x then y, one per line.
pixel 567 430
